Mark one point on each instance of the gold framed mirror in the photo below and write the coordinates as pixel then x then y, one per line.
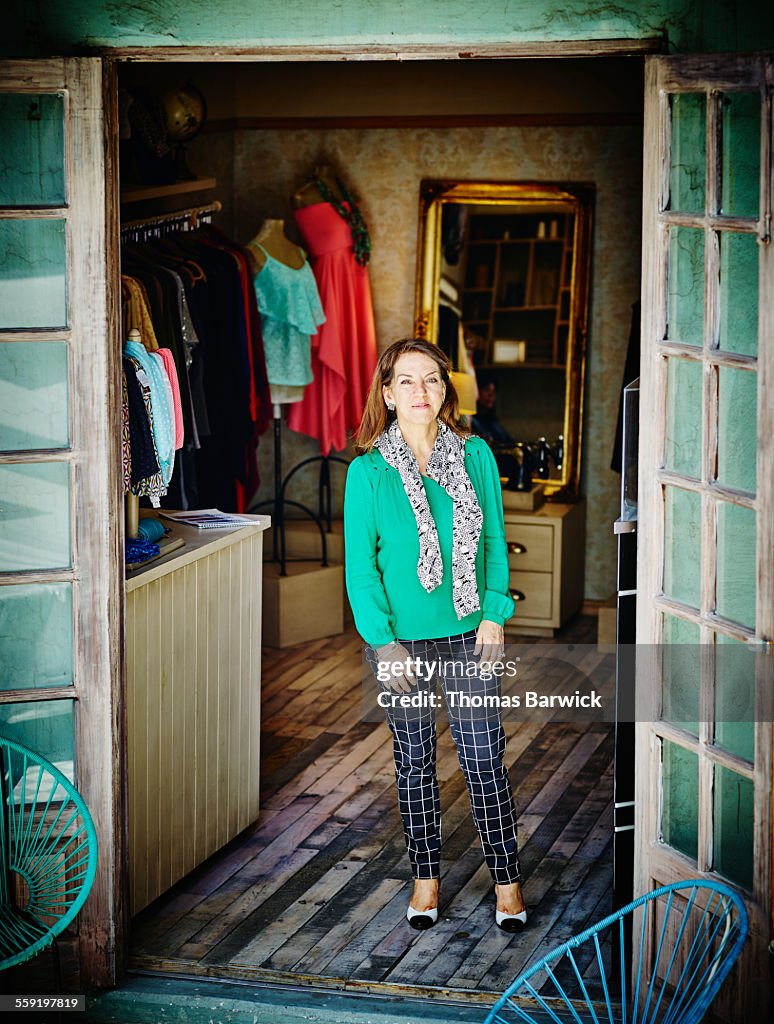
pixel 503 286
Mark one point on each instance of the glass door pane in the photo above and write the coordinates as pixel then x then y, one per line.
pixel 680 674
pixel 680 808
pixel 688 174
pixel 735 711
pixel 35 516
pixel 36 636
pixel 686 286
pixel 45 726
pixel 682 452
pixel 32 129
pixel 736 562
pixel 741 148
pixel 737 428
pixel 34 400
pixel 33 274
pixel 682 545
pixel 733 832
pixel 738 293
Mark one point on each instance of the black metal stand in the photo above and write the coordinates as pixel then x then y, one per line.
pixel 279 502
pixel 626 613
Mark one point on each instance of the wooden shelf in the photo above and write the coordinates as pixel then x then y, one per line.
pixel 526 267
pixel 139 193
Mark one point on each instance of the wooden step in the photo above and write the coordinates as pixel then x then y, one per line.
pixel 199 1000
pixel 302 540
pixel 306 604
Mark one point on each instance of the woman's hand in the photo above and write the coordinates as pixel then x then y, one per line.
pixel 401 677
pixel 490 641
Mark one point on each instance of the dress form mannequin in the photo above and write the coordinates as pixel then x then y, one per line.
pixel 276 243
pixel 309 194
pixel 280 268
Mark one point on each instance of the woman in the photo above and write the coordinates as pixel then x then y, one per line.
pixel 427 578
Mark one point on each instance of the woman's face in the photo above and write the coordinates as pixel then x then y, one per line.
pixel 417 389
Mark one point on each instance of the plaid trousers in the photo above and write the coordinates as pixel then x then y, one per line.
pixel 480 741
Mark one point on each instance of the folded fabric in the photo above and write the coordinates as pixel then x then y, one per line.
pixel 139 550
pixel 150 529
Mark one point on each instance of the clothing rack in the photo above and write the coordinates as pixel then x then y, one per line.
pixel 177 220
pixel 143 230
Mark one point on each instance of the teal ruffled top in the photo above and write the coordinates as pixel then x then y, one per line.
pixel 291 311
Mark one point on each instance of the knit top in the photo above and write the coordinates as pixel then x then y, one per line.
pixel 382 549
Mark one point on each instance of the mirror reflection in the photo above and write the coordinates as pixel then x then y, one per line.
pixel 503 290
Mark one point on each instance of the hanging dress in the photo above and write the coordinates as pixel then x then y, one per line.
pixel 291 312
pixel 344 350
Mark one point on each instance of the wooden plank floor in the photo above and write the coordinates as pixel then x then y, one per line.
pixel 316 892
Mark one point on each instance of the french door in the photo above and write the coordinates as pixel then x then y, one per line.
pixel 60 558
pixel 705 619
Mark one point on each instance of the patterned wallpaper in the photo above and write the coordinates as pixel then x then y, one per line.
pixel 384 168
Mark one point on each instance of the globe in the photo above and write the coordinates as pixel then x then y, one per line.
pixel 185 112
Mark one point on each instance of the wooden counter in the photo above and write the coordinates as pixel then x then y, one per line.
pixel 193 697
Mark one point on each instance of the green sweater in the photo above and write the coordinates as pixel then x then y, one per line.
pixel 382 550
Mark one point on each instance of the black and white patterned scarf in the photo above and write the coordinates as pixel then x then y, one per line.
pixel 446 466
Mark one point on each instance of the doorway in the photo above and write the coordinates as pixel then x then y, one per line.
pixel 253 908
pixel 551 154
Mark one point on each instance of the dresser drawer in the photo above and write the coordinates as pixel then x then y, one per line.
pixel 530 547
pixel 537 590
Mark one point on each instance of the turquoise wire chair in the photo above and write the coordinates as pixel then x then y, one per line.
pixel 48 853
pixel 697 930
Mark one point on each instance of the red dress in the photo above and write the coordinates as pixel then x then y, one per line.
pixel 344 348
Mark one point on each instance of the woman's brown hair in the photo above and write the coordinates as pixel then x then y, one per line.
pixel 376 415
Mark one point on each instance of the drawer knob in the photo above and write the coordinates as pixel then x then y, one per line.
pixel 518 595
pixel 515 548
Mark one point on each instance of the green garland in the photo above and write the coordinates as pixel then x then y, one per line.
pixel 361 240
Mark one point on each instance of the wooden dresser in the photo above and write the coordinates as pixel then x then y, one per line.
pixel 546 553
pixel 193 702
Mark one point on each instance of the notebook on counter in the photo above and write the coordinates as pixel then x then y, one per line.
pixel 208 519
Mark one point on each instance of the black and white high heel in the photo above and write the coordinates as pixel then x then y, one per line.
pixel 421 919
pixel 510 922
